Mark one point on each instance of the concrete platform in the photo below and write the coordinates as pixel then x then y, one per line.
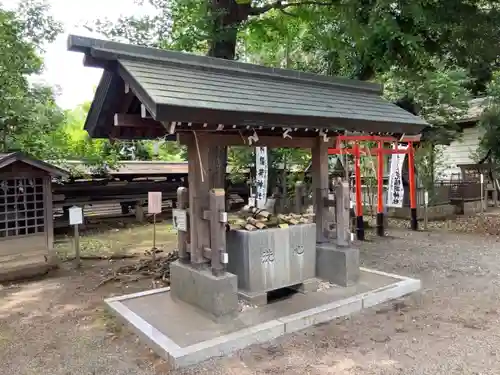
pixel 183 336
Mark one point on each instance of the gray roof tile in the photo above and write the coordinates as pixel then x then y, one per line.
pixel 174 85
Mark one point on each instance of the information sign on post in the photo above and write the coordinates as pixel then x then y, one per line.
pixel 154 207
pixel 75 215
pixel 482 191
pixel 75 219
pixel 426 206
pixel 179 218
pixel 154 202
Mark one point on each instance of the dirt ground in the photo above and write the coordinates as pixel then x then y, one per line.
pixel 121 236
pixel 57 325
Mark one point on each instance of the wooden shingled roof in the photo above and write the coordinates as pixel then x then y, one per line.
pixel 137 168
pixel 187 88
pixel 7 159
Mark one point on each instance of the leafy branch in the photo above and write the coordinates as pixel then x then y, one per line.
pixel 279 5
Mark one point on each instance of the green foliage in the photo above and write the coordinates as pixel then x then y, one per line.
pixel 28 113
pixel 242 158
pixel 489 147
pixel 440 94
pixel 430 166
pixel 30 119
pixel 77 145
pixel 74 143
pixel 37 131
pixel 38 26
pixel 431 54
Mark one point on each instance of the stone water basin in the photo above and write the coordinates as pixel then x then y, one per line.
pixel 274 258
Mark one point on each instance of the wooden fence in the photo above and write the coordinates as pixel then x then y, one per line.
pixel 444 192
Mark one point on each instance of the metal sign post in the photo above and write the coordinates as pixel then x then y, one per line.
pixel 426 205
pixel 75 219
pixel 482 192
pixel 154 207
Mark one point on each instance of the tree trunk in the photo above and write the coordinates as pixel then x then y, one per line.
pixel 227 17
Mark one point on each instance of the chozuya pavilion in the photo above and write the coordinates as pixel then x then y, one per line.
pixel 217 301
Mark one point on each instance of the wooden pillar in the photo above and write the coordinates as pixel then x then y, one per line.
pixel 139 211
pixel 215 165
pixel 218 220
pixel 319 168
pixel 299 197
pixel 360 226
pixel 284 190
pixel 219 176
pixel 413 195
pixel 342 213
pixel 198 164
pixel 183 237
pixel 380 190
pixel 273 204
pixel 49 219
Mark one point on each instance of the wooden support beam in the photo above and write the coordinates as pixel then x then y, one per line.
pixel 127 100
pixel 198 155
pixel 411 138
pixel 319 166
pixel 224 139
pixel 412 183
pixel 342 213
pixel 217 230
pixel 183 237
pixel 328 202
pixel 360 226
pixel 170 127
pixel 134 121
pixel 380 192
pixel 366 151
pixel 207 253
pixel 145 112
pixel 300 189
pixel 388 139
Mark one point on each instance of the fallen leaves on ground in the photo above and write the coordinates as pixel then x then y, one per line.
pixel 477 224
pixel 156 268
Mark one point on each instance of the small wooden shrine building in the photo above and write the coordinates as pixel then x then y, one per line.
pixel 207 103
pixel 26 215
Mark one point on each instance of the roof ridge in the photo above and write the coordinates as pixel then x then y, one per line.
pixel 111 51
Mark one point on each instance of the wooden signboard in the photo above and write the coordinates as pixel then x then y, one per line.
pixel 154 202
pixel 179 218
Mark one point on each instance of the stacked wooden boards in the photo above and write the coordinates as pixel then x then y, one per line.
pixel 251 219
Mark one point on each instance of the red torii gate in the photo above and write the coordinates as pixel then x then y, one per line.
pixel 380 151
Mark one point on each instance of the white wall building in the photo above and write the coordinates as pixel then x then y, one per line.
pixel 463 150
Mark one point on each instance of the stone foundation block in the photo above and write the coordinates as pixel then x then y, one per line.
pixel 197 286
pixel 337 265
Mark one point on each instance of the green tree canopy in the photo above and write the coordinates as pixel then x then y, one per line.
pixel 28 113
pixel 432 57
pixel 443 51
pixel 489 147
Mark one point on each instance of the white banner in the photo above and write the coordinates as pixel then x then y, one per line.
pixel 261 176
pixel 395 191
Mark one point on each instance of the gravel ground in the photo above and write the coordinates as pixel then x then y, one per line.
pixel 56 326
